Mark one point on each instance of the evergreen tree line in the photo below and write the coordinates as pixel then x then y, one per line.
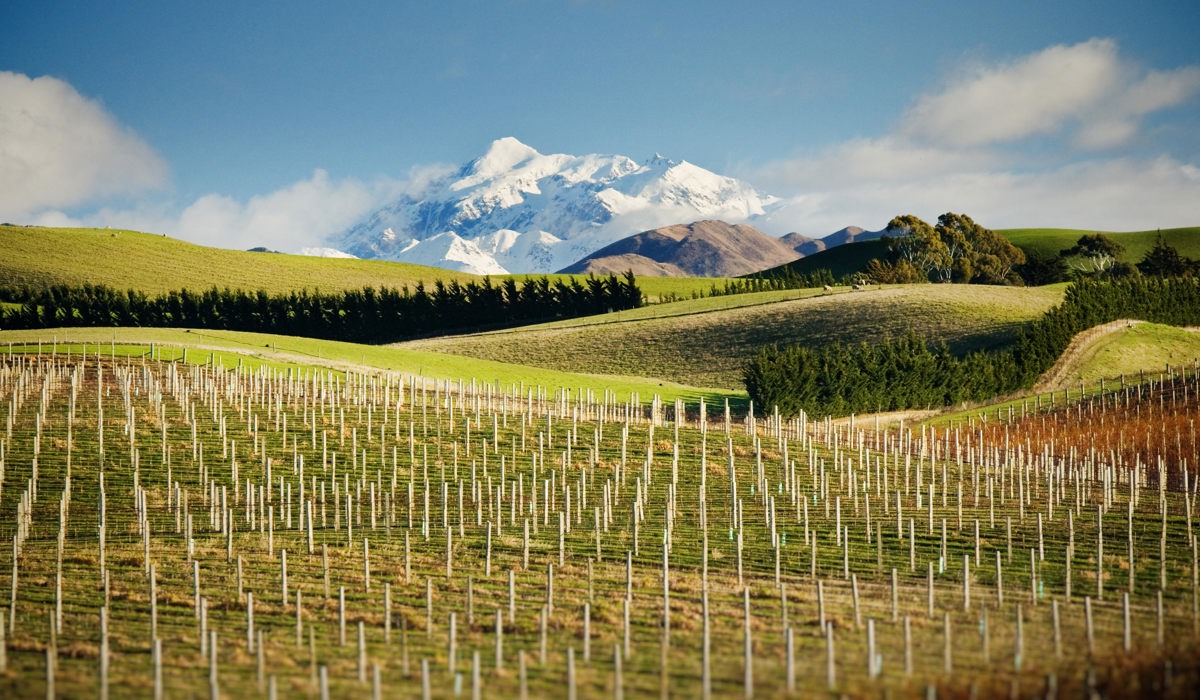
pixel 786 277
pixel 907 372
pixel 776 280
pixel 767 281
pixel 367 315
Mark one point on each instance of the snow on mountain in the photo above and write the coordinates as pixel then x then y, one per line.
pixel 450 251
pixel 325 253
pixel 515 250
pixel 517 210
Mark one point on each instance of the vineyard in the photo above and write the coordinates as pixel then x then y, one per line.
pixel 194 529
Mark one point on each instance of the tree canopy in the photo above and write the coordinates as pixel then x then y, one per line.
pixel 1165 261
pixel 1097 252
pixel 955 250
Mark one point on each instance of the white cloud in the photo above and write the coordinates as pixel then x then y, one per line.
pixel 960 150
pixel 61 149
pixel 1161 89
pixel 61 153
pixel 1087 87
pixel 871 159
pixel 301 215
pixel 1104 194
pixel 287 219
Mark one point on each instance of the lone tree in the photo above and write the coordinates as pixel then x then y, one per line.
pixel 1165 261
pixel 1099 251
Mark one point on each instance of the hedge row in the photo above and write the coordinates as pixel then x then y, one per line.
pixel 907 372
pixel 368 315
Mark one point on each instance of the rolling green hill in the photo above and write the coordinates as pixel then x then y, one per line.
pixel 1122 348
pixel 1097 358
pixel 840 260
pixel 700 343
pixel 232 348
pixel 154 263
pixel 670 348
pixel 1047 242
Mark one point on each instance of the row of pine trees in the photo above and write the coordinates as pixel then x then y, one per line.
pixel 367 315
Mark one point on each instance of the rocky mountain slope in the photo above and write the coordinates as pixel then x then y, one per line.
pixel 517 210
pixel 700 249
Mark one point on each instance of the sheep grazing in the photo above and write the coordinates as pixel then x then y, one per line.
pixel 828 289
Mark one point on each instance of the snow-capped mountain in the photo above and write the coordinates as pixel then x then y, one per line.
pixel 323 252
pixel 517 210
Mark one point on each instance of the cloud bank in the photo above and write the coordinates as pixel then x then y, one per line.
pixel 1086 87
pixel 61 152
pixel 979 145
pixel 61 149
pixel 300 215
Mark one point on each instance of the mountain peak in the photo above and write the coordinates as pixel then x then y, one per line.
pixel 504 154
pixel 660 160
pixel 555 208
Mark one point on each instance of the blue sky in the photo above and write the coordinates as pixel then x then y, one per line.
pixel 241 124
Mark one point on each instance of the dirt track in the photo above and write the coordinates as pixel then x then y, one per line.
pixel 1080 346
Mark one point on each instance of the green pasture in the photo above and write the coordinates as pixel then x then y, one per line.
pixel 155 263
pixel 707 342
pixel 152 263
pixel 1048 242
pixel 232 348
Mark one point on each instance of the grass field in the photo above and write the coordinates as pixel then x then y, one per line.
pixel 1049 241
pixel 841 260
pixel 353 532
pixel 154 263
pixel 707 342
pixel 232 348
pixel 283 516
pixel 1126 349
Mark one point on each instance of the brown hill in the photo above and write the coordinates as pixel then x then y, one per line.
pixel 803 244
pixel 700 249
pixel 618 264
pixel 851 234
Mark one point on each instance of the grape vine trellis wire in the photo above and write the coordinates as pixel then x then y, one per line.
pixel 185 530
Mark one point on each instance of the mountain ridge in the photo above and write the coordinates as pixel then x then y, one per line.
pixel 707 248
pixel 514 209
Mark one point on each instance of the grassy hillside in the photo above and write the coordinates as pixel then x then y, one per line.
pixel 1095 362
pixel 840 260
pixel 685 349
pixel 231 348
pixel 1123 348
pixel 702 344
pixel 1047 242
pixel 154 263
